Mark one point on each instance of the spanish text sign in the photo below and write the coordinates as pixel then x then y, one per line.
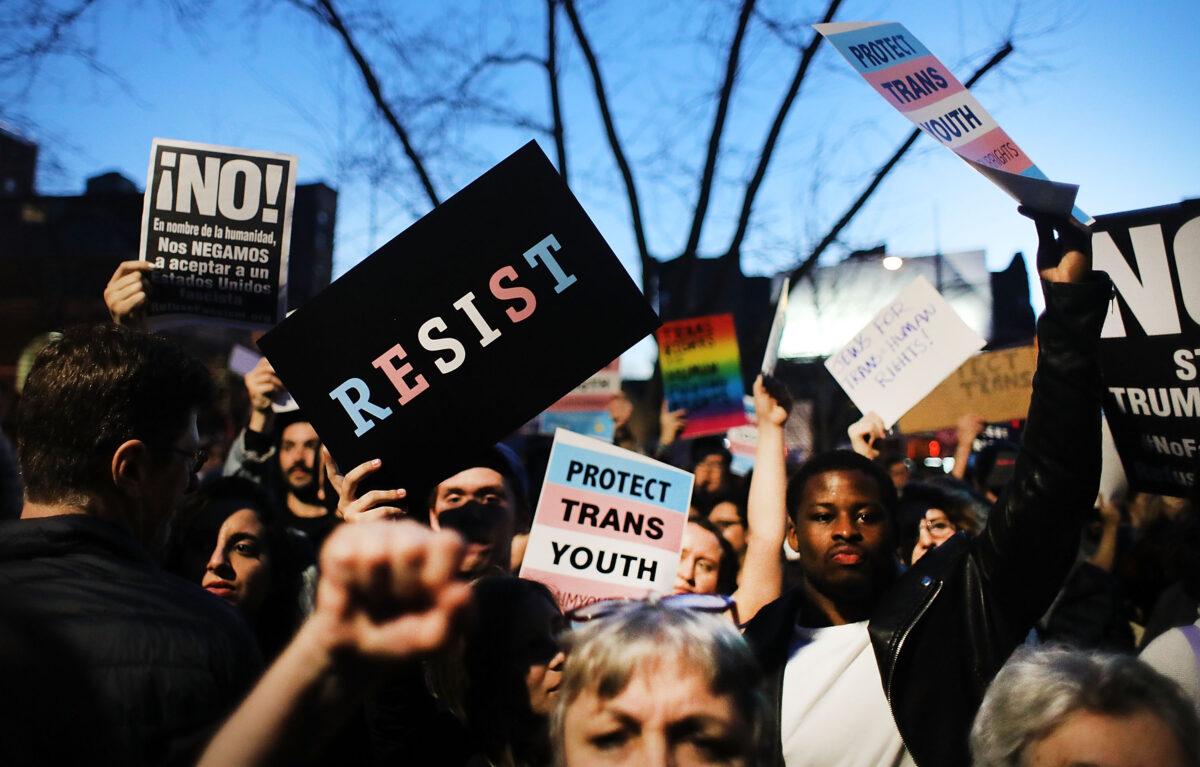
pixel 995 385
pixel 462 328
pixel 216 224
pixel 906 350
pixel 702 373
pixel 1150 344
pixel 923 89
pixel 609 523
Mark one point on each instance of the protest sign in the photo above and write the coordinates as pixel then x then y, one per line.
pixel 217 224
pixel 585 409
pixel 906 350
pixel 609 523
pixel 775 335
pixel 922 88
pixel 994 385
pixel 797 437
pixel 702 373
pixel 462 328
pixel 1150 344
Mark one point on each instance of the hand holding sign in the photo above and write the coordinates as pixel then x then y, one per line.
pixel 864 432
pixel 126 293
pixel 371 506
pixel 1064 251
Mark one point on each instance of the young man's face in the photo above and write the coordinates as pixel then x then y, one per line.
pixel 843 534
pixel 489 539
pixel 298 447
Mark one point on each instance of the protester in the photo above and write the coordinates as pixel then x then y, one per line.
pixel 281 451
pixel 1056 707
pixel 728 515
pixel 707 563
pixel 389 594
pixel 108 446
pixel 928 516
pixel 230 540
pixel 501 681
pixel 657 685
pixel 483 501
pixel 850 654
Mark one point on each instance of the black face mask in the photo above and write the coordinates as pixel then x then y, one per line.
pixel 473 521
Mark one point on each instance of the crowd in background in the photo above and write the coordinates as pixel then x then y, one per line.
pixel 173 592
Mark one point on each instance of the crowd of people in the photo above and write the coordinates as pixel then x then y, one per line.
pixel 163 606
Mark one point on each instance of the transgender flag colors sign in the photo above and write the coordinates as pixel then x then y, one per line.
pixel 702 373
pixel 921 87
pixel 609 523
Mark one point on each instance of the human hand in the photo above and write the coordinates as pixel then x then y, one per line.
pixel 1110 514
pixel 127 292
pixel 1064 251
pixel 262 387
pixel 373 505
pixel 968 427
pixel 670 424
pixel 770 402
pixel 389 592
pixel 620 409
pixel 864 432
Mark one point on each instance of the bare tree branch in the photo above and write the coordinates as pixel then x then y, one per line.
pixel 832 235
pixel 768 149
pixel 560 144
pixel 614 142
pixel 325 11
pixel 714 139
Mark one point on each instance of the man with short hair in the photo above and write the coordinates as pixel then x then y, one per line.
pixel 282 452
pixel 108 445
pixel 870 667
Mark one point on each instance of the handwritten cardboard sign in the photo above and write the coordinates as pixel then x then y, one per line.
pixel 461 329
pixel 1150 344
pixel 217 225
pixel 702 373
pixel 923 89
pixel 609 523
pixel 995 385
pixel 906 350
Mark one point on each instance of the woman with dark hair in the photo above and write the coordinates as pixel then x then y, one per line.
pixel 708 564
pixel 929 515
pixel 501 678
pixel 229 539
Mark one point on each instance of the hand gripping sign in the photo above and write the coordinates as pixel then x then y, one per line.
pixel 609 523
pixel 462 328
pixel 921 87
pixel 217 224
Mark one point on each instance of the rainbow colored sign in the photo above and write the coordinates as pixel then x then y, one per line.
pixel 921 87
pixel 702 373
pixel 609 523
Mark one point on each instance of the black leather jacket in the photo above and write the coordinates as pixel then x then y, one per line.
pixel 944 628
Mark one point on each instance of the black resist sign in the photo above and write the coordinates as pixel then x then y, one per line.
pixel 216 223
pixel 1150 345
pixel 462 328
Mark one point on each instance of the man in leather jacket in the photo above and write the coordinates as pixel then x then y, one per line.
pixel 941 631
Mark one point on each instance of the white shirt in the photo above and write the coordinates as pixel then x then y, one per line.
pixel 834 711
pixel 1171 655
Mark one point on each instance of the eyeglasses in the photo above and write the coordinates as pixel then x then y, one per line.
pixel 939 530
pixel 196 458
pixel 705 603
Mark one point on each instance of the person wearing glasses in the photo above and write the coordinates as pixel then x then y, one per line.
pixel 929 515
pixel 870 667
pixel 108 448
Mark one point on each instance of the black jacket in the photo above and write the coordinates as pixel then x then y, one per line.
pixel 158 660
pixel 944 628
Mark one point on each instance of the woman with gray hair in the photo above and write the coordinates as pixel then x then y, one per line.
pixel 650 683
pixel 1055 707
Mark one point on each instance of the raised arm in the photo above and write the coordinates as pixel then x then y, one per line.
pixel 388 594
pixel 761 579
pixel 1032 534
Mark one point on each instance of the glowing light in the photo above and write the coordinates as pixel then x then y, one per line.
pixel 892 263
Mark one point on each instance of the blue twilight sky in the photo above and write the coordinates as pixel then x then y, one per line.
pixel 1104 94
